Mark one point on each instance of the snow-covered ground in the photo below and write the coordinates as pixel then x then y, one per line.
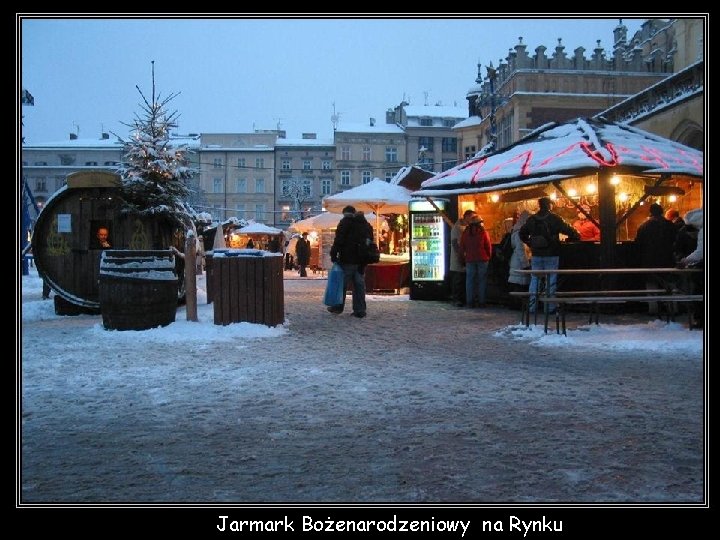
pixel 419 402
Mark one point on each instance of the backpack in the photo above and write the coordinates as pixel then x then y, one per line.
pixel 541 238
pixel 505 250
pixel 368 252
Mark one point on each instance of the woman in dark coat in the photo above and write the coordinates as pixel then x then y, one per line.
pixel 302 254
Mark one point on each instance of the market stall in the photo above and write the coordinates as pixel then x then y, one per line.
pixel 613 169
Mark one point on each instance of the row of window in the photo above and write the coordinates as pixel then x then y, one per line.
pixel 87 163
pixel 241 163
pixel 285 165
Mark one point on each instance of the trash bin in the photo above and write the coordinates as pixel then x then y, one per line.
pixel 138 289
pixel 247 286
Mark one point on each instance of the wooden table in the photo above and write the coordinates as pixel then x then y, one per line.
pixel 600 296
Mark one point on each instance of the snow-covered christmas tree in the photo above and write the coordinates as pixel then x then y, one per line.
pixel 155 172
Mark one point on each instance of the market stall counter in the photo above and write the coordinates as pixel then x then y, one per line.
pixel 391 274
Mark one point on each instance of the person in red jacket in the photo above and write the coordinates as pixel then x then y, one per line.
pixel 476 248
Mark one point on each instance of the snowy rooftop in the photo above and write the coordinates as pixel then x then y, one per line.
pixel 347 127
pixel 304 142
pixel 556 151
pixel 436 111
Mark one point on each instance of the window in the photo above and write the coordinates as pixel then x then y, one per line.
pixel 41 163
pixel 240 210
pixel 40 184
pixel 366 176
pixel 241 185
pixel 391 154
pixel 59 182
pixel 366 153
pixel 285 187
pixel 427 142
pixel 345 152
pixel 65 159
pixel 389 175
pixel 307 164
pixel 326 165
pixel 469 151
pixel 111 163
pixel 448 123
pixel 241 163
pixel 91 163
pixel 217 212
pixel 505 132
pixel 260 212
pixel 259 163
pixel 344 178
pixel 217 163
pixel 449 144
pixel 426 122
pixel 285 213
pixel 307 188
pixel 259 185
pixel 326 186
pixel 217 185
pixel 285 165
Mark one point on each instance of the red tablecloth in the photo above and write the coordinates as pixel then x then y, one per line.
pixel 387 276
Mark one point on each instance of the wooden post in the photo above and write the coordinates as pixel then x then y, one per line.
pixel 190 279
pixel 608 227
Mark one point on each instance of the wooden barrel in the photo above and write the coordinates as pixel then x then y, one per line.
pixel 77 223
pixel 138 289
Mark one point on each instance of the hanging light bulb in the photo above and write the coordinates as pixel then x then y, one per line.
pixel 672 198
pixel 572 192
pixel 623 197
pixel 615 180
pixel 590 188
pixel 494 197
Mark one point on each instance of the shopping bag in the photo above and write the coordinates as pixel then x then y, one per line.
pixel 334 288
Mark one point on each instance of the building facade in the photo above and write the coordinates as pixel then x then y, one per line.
pixel 429 136
pixel 367 151
pixel 237 175
pixel 525 92
pixel 304 174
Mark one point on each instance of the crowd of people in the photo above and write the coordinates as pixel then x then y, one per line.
pixel 663 240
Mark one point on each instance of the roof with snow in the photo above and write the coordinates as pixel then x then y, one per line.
pixel 304 142
pixel 436 111
pixel 472 121
pixel 557 151
pixel 345 127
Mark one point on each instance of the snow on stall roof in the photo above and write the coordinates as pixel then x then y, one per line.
pixel 582 146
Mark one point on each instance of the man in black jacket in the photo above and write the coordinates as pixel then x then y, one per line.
pixel 350 233
pixel 541 232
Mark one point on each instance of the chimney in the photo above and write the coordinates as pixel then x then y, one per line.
pixel 73 136
pixel 372 122
pixel 105 136
pixel 309 135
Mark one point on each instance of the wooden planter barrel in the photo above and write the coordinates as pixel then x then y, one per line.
pixel 248 287
pixel 138 289
pixel 65 244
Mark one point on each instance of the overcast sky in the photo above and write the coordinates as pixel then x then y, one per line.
pixel 236 75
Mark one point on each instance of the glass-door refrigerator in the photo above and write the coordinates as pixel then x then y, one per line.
pixel 429 249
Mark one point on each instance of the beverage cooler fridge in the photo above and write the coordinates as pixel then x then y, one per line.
pixel 429 250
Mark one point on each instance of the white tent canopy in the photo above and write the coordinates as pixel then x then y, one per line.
pixel 260 228
pixel 326 220
pixel 376 196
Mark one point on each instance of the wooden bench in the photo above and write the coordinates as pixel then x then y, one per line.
pixel 525 296
pixel 595 298
pixel 562 301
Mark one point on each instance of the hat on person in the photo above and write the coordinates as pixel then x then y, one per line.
pixel 476 220
pixel 656 209
pixel 468 213
pixel 545 202
pixel 348 209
